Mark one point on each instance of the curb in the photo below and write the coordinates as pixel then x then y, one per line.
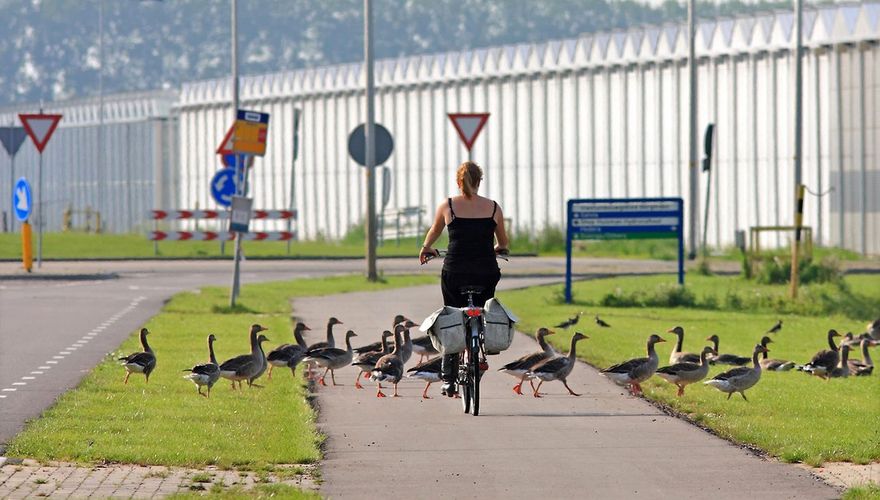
pixel 59 277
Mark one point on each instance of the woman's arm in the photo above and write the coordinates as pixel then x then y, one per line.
pixel 433 233
pixel 500 231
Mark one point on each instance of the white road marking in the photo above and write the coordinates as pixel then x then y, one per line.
pixel 43 367
pixel 64 352
pixel 10 389
pixel 28 378
pixel 57 357
pixel 51 362
pixel 19 383
pixel 37 372
pixel 2 396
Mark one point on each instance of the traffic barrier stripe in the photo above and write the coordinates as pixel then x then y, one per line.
pixel 225 235
pixel 219 214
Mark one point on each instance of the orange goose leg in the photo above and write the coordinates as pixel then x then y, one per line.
pixel 565 383
pixel 269 375
pixel 536 393
pixel 395 391
pixel 379 393
pixel 425 392
pixel 321 380
pixel 357 381
pixel 518 388
pixel 127 374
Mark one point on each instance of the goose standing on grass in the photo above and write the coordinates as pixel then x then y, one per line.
pixel 245 366
pixel 429 371
pixel 739 379
pixel 824 361
pixel 140 362
pixel 632 373
pixel 865 366
pixel 367 361
pixel 602 323
pixel 333 358
pixel 684 374
pixel 775 328
pixel 874 329
pixel 842 368
pixel 389 368
pixel 558 368
pixel 289 355
pixel 208 373
pixel 570 321
pixel 724 359
pixel 519 368
pixel 774 365
pixel 677 356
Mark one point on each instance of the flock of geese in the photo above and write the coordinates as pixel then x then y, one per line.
pixel 382 362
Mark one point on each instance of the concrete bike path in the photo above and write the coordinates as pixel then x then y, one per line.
pixel 603 444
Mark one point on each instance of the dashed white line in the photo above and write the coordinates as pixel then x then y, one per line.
pixel 44 367
pixel 19 383
pixel 2 396
pixel 10 389
pixel 57 357
pixel 51 362
pixel 37 372
pixel 65 353
pixel 28 378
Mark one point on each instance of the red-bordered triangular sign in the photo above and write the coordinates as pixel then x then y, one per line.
pixel 468 126
pixel 40 128
pixel 225 147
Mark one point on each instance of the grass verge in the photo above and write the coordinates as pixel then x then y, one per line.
pixel 165 422
pixel 790 415
pixel 869 492
pixel 260 491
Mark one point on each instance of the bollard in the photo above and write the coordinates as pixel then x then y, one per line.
pixel 27 248
pixel 67 219
pixel 97 222
pixel 795 246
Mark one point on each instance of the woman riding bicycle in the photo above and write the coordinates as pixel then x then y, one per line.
pixel 475 224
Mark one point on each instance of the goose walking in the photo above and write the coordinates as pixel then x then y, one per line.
pixel 772 364
pixel 635 371
pixel 140 362
pixel 424 347
pixel 206 374
pixel 725 359
pixel 739 379
pixel 865 366
pixel 558 368
pixel 520 367
pixel 289 355
pixel 330 342
pixel 389 368
pixel 601 322
pixel 684 374
pixel 381 345
pixel 570 321
pixel 246 366
pixel 429 371
pixel 775 328
pixel 333 358
pixel 406 350
pixel 677 356
pixel 367 361
pixel 826 360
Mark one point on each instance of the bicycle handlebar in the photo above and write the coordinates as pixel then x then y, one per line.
pixel 503 255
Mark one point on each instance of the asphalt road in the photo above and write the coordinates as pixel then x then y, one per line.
pixel 54 329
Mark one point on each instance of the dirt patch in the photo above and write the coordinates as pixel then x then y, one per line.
pixel 847 475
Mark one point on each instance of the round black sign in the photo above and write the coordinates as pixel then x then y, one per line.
pixel 357 144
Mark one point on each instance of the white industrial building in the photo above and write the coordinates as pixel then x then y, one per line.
pixel 602 115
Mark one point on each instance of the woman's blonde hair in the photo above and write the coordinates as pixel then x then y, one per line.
pixel 468 177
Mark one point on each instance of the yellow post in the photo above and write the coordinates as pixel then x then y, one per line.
pixel 795 246
pixel 27 247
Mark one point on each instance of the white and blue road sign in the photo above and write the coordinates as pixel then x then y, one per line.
pixel 22 202
pixel 223 186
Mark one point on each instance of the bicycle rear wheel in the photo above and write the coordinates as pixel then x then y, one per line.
pixel 464 390
pixel 474 369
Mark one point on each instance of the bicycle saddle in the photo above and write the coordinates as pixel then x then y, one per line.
pixel 472 289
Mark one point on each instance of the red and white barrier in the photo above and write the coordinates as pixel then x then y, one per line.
pixel 219 214
pixel 218 236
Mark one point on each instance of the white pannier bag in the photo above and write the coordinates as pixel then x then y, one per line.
pixel 445 328
pixel 499 326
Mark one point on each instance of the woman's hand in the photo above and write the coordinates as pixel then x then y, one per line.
pixel 426 254
pixel 499 250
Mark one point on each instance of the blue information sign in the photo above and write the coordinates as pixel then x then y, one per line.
pixel 223 186
pixel 22 202
pixel 624 219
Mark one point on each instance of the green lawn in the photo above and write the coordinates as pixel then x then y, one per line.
pixel 260 491
pixel 790 415
pixel 165 422
pixel 869 492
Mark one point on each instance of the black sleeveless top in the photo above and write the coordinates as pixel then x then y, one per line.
pixel 471 244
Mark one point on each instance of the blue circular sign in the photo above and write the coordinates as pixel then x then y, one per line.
pixel 223 186
pixel 22 202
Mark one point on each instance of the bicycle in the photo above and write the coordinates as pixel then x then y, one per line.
pixel 472 361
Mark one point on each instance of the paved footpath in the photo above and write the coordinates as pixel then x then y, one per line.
pixel 603 444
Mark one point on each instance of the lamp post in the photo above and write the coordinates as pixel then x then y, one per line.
pixel 370 139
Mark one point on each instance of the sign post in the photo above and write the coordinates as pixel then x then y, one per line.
pixel 468 126
pixel 12 139
pixel 248 139
pixel 624 219
pixel 40 128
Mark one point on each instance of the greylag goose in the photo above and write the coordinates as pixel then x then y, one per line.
pixel 739 379
pixel 406 349
pixel 208 373
pixel 380 345
pixel 389 368
pixel 429 371
pixel 424 347
pixel 874 329
pixel 677 356
pixel 289 355
pixel 774 365
pixel 856 341
pixel 519 368
pixel 635 371
pixel 775 328
pixel 725 359
pixel 558 368
pixel 601 323
pixel 333 358
pixel 684 374
pixel 570 321
pixel 246 366
pixel 824 361
pixel 842 368
pixel 331 342
pixel 367 361
pixel 865 366
pixel 140 362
